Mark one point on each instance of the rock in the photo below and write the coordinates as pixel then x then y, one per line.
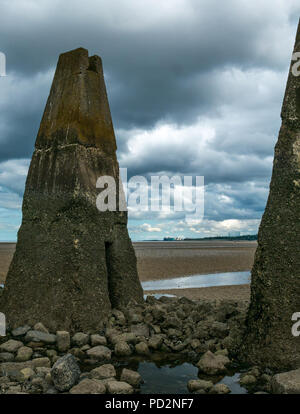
pixel 88 386
pixel 24 354
pixel 22 330
pixel 221 389
pixel 27 373
pixel 6 357
pixel 196 385
pixel 286 382
pixel 63 341
pixel 134 318
pixel 103 372
pixel 125 337
pixel 43 371
pixel 142 348
pixel 119 315
pixel 155 342
pixel 122 349
pixel 100 353
pixel 65 373
pixel 7 367
pixel 40 327
pixel 131 377
pixel 247 380
pixel 212 364
pixel 119 387
pixel 80 339
pixel 219 329
pixel 39 336
pixel 11 346
pixel 98 340
pixel 140 329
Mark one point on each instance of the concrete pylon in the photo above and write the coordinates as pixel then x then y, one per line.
pixel 72 263
pixel 275 283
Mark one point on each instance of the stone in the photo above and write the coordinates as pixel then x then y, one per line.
pixel 40 327
pixel 100 353
pixel 119 315
pixel 88 386
pixel 24 354
pixel 39 336
pixel 247 380
pixel 286 382
pixel 142 348
pixel 63 341
pixel 6 368
pixel 124 337
pixel 103 372
pixel 221 389
pixel 11 346
pixel 80 339
pixel 98 340
pixel 122 349
pixel 211 364
pixel 65 286
pixel 131 377
pixel 155 342
pixel 196 385
pixel 22 330
pixel 27 373
pixel 119 387
pixel 6 357
pixel 275 280
pixel 140 329
pixel 65 373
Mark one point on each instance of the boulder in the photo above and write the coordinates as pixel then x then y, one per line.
pixel 142 348
pixel 211 364
pixel 103 372
pixel 6 357
pixel 39 336
pixel 122 349
pixel 11 346
pixel 6 368
pixel 24 354
pixel 40 327
pixel 22 330
pixel 131 377
pixel 221 389
pixel 119 387
pixel 98 340
pixel 88 386
pixel 196 385
pixel 100 353
pixel 65 373
pixel 155 342
pixel 124 337
pixel 286 382
pixel 80 339
pixel 63 341
pixel 141 329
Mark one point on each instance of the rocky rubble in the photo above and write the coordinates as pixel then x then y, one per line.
pixel 34 360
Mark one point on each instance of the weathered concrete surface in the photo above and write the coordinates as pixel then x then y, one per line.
pixel 72 263
pixel 275 285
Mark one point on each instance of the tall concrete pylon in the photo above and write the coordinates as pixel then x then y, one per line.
pixel 72 263
pixel 275 282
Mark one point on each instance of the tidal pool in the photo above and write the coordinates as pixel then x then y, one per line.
pixel 167 375
pixel 199 281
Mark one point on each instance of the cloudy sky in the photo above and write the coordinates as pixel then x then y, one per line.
pixel 195 88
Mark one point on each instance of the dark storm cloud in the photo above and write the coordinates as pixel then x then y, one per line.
pixel 195 87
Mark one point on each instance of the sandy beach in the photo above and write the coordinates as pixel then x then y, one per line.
pixel 162 260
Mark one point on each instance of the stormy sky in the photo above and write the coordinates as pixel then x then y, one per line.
pixel 195 88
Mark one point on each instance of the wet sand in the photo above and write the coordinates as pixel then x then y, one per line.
pixel 162 260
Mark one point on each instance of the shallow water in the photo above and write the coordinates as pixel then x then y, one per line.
pixel 199 281
pixel 163 375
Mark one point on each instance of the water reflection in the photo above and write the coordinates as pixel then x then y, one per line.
pixel 199 281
